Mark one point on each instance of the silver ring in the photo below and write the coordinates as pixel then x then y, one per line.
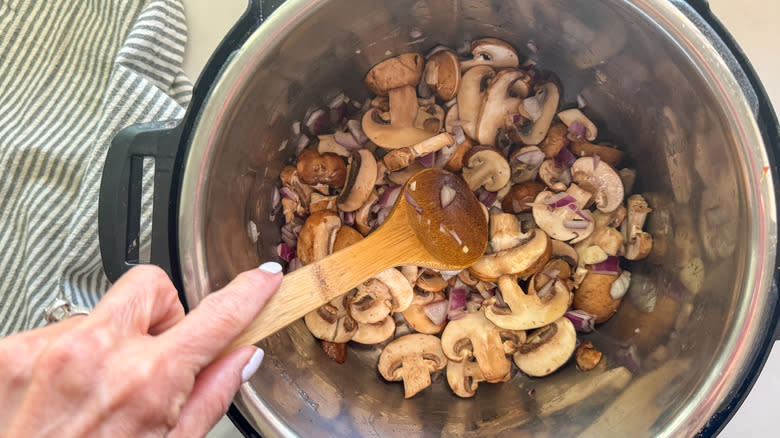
pixel 62 309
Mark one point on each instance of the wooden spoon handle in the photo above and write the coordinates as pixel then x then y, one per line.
pixel 316 284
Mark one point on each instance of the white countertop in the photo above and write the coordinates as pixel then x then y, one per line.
pixel 753 24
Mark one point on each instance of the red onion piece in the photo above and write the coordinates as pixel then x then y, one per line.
pixel 316 121
pixel 546 289
pixel 585 214
pixel 382 215
pixel 457 299
pixel 301 143
pixel 347 140
pixel 596 161
pixel 487 293
pixel 428 160
pixel 356 129
pixel 338 109
pixel 285 251
pixel 436 311
pixel 576 131
pixel 486 197
pixel 347 217
pixel 290 234
pixel 581 102
pixel 628 356
pixel 275 198
pixel 583 321
pixel 610 266
pixel 575 224
pixel 458 135
pixel 288 193
pixel 475 298
pixel 296 128
pixel 532 157
pixel 561 199
pixel 294 264
pixel 564 158
pixel 457 314
pixel 389 196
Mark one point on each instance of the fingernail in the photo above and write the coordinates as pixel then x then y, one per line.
pixel 270 267
pixel 252 365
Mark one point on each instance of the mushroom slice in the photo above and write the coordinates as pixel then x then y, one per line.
pixel 403 106
pixel 638 243
pixel 316 168
pixel 331 322
pixel 388 291
pixel 541 108
pixel 486 167
pixel 412 358
pixel 563 222
pixel 493 52
pixel 606 152
pixel 464 377
pixel 555 140
pixel 565 252
pixel 361 176
pixel 389 136
pixel 415 314
pixel 593 296
pixel 524 163
pixel 601 180
pixel 317 235
pixel 327 144
pixel 528 255
pixel 522 311
pixel 520 197
pixel 556 177
pixel 442 74
pixel 375 333
pixel 431 281
pixel 574 115
pixel 396 72
pixel 475 336
pixel 473 88
pixel 364 212
pixel 430 118
pixel 547 348
pixel 399 158
pixel 345 237
pixel 497 106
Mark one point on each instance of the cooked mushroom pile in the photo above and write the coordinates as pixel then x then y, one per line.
pixel 561 218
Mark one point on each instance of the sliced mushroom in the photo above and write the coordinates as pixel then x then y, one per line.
pixel 395 72
pixel 400 158
pixel 360 180
pixel 429 118
pixel 556 176
pixel 593 296
pixel 327 144
pixel 364 212
pixel 547 348
pixel 561 223
pixel 524 311
pixel 389 291
pixel 475 336
pixel 331 322
pixel 497 105
pixel 431 281
pixel 345 237
pixel 601 180
pixel 555 140
pixel 374 333
pixel 493 52
pixel 486 167
pixel 415 314
pixel 320 203
pixel 442 74
pixel 315 168
pixel 528 255
pixel 412 358
pixel 638 243
pixel 473 88
pixel 464 377
pixel 317 235
pixel 574 115
pixel 541 109
pixel 565 252
pixel 389 136
pixel 606 152
pixel 521 197
pixel 524 163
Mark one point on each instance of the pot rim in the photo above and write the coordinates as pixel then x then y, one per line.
pixel 735 357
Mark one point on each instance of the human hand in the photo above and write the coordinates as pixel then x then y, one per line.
pixel 136 365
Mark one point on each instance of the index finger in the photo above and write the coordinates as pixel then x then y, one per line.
pixel 222 315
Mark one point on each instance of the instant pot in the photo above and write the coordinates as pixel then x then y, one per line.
pixel 663 79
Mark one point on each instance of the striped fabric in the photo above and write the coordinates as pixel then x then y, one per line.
pixel 72 74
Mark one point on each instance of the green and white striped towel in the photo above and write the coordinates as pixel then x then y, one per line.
pixel 72 74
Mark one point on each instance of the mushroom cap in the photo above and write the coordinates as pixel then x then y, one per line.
pixel 464 377
pixel 331 322
pixel 544 103
pixel 431 281
pixel 593 296
pixel 493 52
pixel 372 302
pixel 555 140
pixel 388 136
pixel 486 167
pixel 370 334
pixel 527 311
pixel 412 358
pixel 521 196
pixel 345 237
pixel 556 177
pixel 602 180
pixel 475 336
pixel 316 168
pixel 396 72
pixel 442 74
pixel 497 105
pixel 473 87
pixel 361 176
pixel 556 345
pixel 317 235
pixel 524 259
pixel 552 220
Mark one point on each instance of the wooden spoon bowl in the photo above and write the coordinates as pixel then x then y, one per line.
pixel 438 223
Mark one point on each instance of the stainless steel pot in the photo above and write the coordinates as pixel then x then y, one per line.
pixel 661 78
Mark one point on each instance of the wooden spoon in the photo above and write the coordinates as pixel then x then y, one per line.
pixel 419 231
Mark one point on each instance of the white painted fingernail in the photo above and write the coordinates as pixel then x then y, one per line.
pixel 252 365
pixel 270 267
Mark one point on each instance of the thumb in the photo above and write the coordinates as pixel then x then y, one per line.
pixel 214 390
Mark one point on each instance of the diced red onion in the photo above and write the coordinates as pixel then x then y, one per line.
pixel 296 128
pixel 294 264
pixel 576 131
pixel 275 198
pixel 596 161
pixel 428 160
pixel 561 199
pixel 533 106
pixel 581 102
pixel 457 299
pixel 288 193
pixel 447 195
pixel 458 135
pixel 301 143
pixel 285 251
pixel 546 289
pixel 610 266
pixel 564 157
pixel 553 273
pixel 347 217
pixel 475 298
pixel 443 156
pixel 532 46
pixel 585 214
pixel 583 321
pixel 382 215
pixel 290 234
pixel 316 121
pixel 576 224
pixel 347 140
pixel 413 203
pixel 628 356
pixel 486 197
pixel 457 314
pixel 517 118
pixel 499 297
pixel 487 293
pixel 356 130
pixel 338 109
pixel 532 157
pixel 389 196
pixel 436 311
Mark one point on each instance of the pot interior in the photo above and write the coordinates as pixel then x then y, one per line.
pixel 646 91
